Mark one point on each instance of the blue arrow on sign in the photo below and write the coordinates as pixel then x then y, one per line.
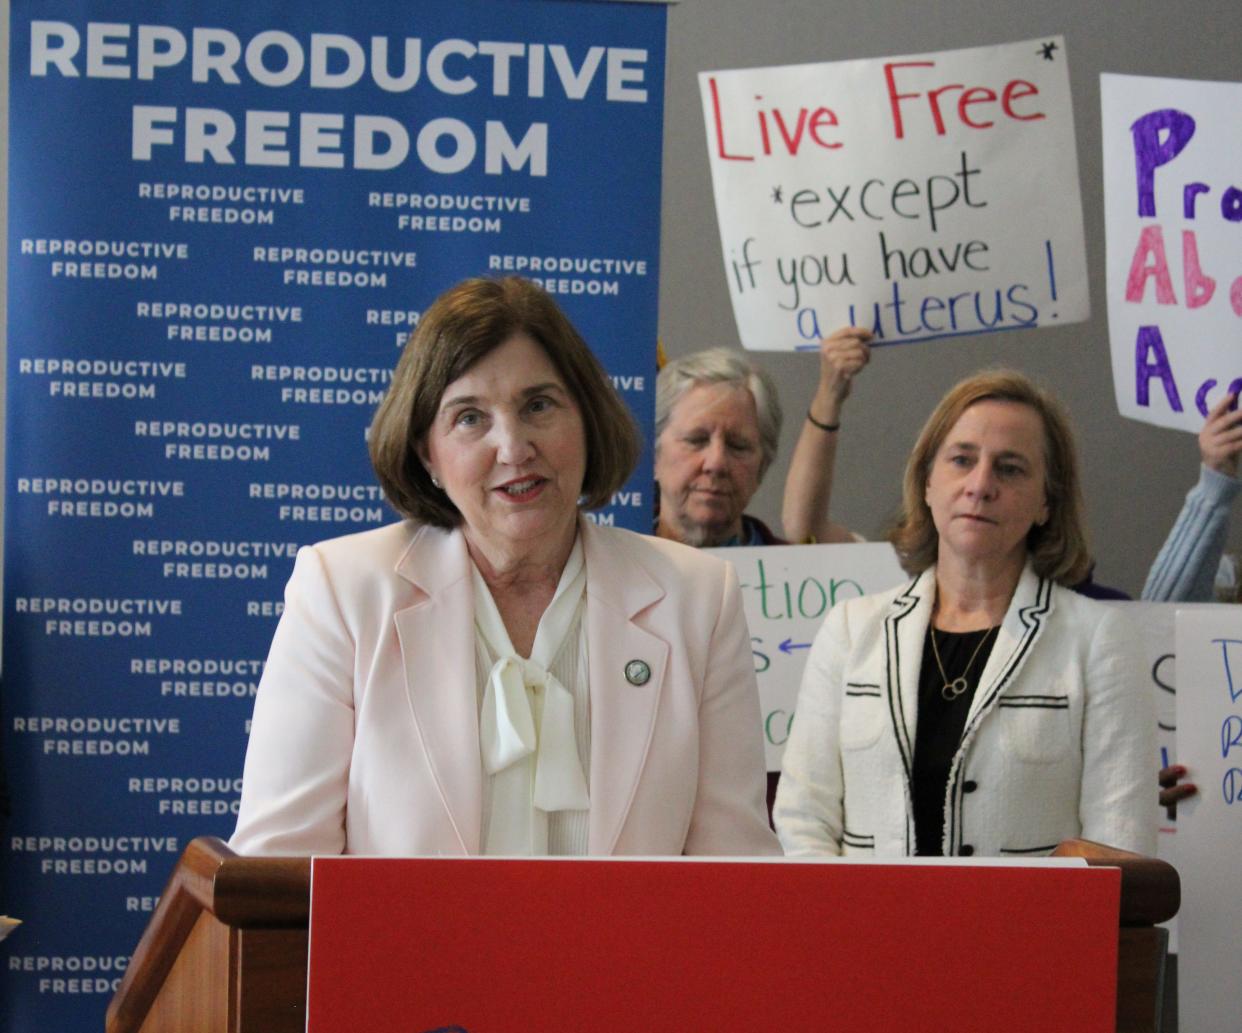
pixel 789 645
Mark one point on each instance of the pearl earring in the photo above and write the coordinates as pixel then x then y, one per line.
pixel 436 483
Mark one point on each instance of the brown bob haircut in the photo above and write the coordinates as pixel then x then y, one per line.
pixel 1058 549
pixel 463 325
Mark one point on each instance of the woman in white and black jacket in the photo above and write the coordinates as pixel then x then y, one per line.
pixel 982 708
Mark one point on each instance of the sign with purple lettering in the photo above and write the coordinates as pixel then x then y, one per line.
pixel 1209 834
pixel 1172 205
pixel 926 196
pixel 225 217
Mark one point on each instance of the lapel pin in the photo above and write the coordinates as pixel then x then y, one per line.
pixel 637 672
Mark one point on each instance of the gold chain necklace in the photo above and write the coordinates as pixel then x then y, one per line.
pixel 952 689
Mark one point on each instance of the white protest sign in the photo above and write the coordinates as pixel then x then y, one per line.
pixel 1155 624
pixel 787 591
pixel 1209 838
pixel 1172 208
pixel 926 196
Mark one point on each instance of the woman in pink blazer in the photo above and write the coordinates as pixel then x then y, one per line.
pixel 496 674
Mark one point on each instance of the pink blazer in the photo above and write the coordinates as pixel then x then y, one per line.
pixel 365 737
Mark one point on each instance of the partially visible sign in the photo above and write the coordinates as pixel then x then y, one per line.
pixel 787 591
pixel 1172 203
pixel 612 946
pixel 1209 839
pixel 1155 625
pixel 926 196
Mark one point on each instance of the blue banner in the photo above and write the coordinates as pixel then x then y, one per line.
pixel 224 220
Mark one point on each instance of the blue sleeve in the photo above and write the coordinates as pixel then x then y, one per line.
pixel 1185 569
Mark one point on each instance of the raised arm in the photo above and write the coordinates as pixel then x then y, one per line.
pixel 1185 569
pixel 808 486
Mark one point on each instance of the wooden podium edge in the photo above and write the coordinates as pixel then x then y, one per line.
pixel 239 892
pixel 1151 891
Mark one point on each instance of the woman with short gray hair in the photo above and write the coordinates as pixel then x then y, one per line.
pixel 718 425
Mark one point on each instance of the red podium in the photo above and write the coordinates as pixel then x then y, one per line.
pixel 226 949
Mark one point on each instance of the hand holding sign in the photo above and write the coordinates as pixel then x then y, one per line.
pixel 1220 440
pixel 1173 789
pixel 842 355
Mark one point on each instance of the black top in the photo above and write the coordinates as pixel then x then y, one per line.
pixel 939 726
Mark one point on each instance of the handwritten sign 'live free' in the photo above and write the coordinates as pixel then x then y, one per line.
pixel 926 196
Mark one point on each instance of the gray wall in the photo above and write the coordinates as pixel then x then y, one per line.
pixel 1135 475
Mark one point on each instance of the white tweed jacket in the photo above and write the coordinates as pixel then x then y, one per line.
pixel 1059 741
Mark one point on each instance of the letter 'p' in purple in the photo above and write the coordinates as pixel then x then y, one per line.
pixel 1151 151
